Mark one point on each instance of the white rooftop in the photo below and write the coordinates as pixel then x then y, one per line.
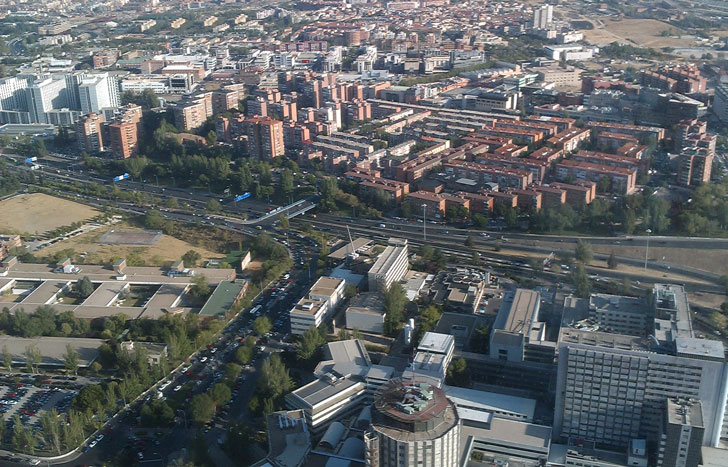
pixel 436 343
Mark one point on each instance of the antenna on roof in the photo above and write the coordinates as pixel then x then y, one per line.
pixel 352 254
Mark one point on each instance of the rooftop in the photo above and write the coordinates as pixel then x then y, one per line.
pixel 436 343
pixel 517 312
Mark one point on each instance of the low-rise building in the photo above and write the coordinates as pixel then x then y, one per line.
pixel 321 300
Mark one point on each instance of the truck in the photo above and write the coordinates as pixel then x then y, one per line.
pixel 255 310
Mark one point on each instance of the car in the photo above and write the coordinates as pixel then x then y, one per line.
pixel 203 359
pixel 177 388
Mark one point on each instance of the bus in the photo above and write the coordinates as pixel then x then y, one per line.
pixel 255 309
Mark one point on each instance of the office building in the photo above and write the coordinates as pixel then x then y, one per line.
pixel 390 266
pixel 346 381
pixel 45 95
pixel 12 93
pixel 434 354
pixel 97 92
pixel 517 334
pixel 682 433
pixel 89 133
pixel 366 313
pixel 611 387
pixel 413 424
pixel 321 300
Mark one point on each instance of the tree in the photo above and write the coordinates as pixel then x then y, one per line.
pixel 24 439
pixel 153 219
pixel 191 258
pixel 580 281
pixel 200 286
pixel 480 341
pixel 244 354
pixel 70 359
pixel 612 262
pixel 7 359
pixel 469 242
pixel 283 222
pixel 83 287
pixel 220 394
pixel 172 203
pixel 262 325
pixel 458 373
pixel 275 380
pixel 51 429
pixel 32 358
pixel 202 408
pixel 583 252
pixel 311 340
pixel 213 205
pixel 394 302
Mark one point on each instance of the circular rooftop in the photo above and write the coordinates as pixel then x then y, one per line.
pixel 411 406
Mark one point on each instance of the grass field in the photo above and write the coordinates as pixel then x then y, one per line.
pixel 166 250
pixel 638 32
pixel 38 213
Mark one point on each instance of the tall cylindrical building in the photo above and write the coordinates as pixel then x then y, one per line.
pixel 413 424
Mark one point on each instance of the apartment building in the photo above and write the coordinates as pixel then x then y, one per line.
pixel 265 137
pixel 578 193
pixel 537 167
pixel 192 113
pixel 642 133
pixel 391 265
pixel 569 140
pixel 321 300
pixel 482 174
pixel 621 180
pixel 551 196
pixel 694 167
pixel 685 79
pixel 89 132
pixel 177 23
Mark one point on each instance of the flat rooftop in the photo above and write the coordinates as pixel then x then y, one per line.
pixel 52 349
pixel 222 299
pixel 319 391
pixel 491 401
pixel 434 342
pixel 685 412
pixel 326 286
pixel 387 259
pixel 527 437
pixel 517 311
pixel 99 273
pixel 358 244
pixel 308 306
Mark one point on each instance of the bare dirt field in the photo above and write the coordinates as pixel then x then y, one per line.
pixel 638 32
pixel 166 250
pixel 37 213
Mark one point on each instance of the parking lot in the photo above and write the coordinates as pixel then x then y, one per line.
pixel 28 402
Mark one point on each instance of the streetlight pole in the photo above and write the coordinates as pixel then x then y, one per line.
pixel 647 248
pixel 424 222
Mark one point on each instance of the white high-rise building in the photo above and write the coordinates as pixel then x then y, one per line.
pixel 543 17
pixel 45 95
pixel 12 93
pixel 98 92
pixel 612 387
